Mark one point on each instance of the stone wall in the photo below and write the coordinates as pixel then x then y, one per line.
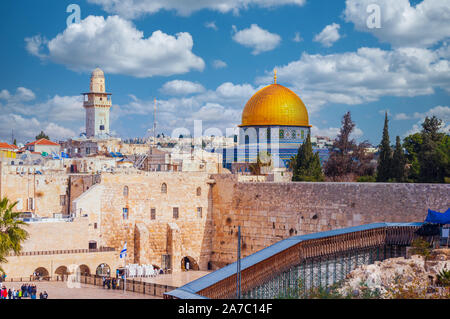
pixel 45 190
pixel 152 236
pixel 24 266
pixel 270 212
pixel 60 235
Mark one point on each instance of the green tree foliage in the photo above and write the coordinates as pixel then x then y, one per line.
pixel 384 168
pixel 398 162
pixel 42 135
pixel 307 164
pixel 412 144
pixel 263 159
pixel 435 152
pixel 428 153
pixel 348 158
pixel 421 247
pixel 11 232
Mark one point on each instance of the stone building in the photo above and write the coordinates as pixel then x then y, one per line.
pixel 163 216
pixel 43 146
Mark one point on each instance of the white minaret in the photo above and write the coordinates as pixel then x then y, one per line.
pixel 97 104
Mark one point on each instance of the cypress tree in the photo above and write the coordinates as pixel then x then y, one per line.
pixel 307 164
pixel 398 162
pixel 384 169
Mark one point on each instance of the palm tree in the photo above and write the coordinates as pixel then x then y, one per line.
pixel 11 232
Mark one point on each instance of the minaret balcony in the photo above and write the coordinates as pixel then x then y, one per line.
pixel 97 103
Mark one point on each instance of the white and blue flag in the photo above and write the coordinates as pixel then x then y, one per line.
pixel 123 252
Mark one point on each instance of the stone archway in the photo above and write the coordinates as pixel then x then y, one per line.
pixel 61 271
pixel 189 263
pixel 40 272
pixel 103 270
pixel 84 270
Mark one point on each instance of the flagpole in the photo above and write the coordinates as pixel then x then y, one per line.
pixel 125 271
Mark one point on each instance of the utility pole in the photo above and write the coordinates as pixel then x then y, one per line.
pixel 238 272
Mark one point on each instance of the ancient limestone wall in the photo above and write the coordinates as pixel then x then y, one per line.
pixel 45 190
pixel 269 212
pixel 51 265
pixel 145 193
pixel 60 235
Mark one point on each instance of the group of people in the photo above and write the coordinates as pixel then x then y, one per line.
pixel 25 291
pixel 111 283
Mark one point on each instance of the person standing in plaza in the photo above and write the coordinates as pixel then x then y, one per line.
pixel 9 293
pixel 45 295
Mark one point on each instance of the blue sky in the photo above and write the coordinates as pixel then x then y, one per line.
pixel 204 59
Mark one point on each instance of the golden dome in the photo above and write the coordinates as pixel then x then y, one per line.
pixel 275 105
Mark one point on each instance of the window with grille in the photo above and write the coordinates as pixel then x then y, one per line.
pixel 125 191
pixel 164 188
pixel 30 203
pixel 62 200
pixel 199 191
pixel 153 213
pixel 125 213
pixel 175 212
pixel 199 212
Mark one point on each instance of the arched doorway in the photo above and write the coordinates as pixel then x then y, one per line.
pixel 84 270
pixel 61 271
pixel 189 263
pixel 103 270
pixel 40 273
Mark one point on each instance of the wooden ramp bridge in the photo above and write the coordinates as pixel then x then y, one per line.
pixel 307 261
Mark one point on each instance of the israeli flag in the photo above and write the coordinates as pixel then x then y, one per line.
pixel 123 252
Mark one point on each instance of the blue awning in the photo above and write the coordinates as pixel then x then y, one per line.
pixel 438 217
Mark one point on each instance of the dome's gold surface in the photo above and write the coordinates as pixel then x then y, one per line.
pixel 275 105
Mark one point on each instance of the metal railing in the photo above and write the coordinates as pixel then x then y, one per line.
pixel 132 285
pixel 63 251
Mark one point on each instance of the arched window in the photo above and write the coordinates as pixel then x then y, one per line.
pixel 125 191
pixel 164 188
pixel 199 191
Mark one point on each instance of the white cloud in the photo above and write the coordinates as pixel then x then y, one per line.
pixel 118 47
pixel 329 35
pixel 441 112
pixel 297 37
pixel 136 8
pixel 211 25
pixel 35 44
pixel 57 132
pixel 332 132
pixel 258 39
pixel 220 108
pixel 22 95
pixel 219 64
pixel 180 87
pixel 365 75
pixel 402 24
pixel 27 118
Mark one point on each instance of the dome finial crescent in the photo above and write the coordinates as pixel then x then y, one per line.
pixel 274 76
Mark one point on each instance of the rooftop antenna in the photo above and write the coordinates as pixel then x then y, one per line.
pixel 274 76
pixel 154 125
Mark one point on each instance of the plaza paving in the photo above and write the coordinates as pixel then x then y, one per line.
pixel 177 279
pixel 60 290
